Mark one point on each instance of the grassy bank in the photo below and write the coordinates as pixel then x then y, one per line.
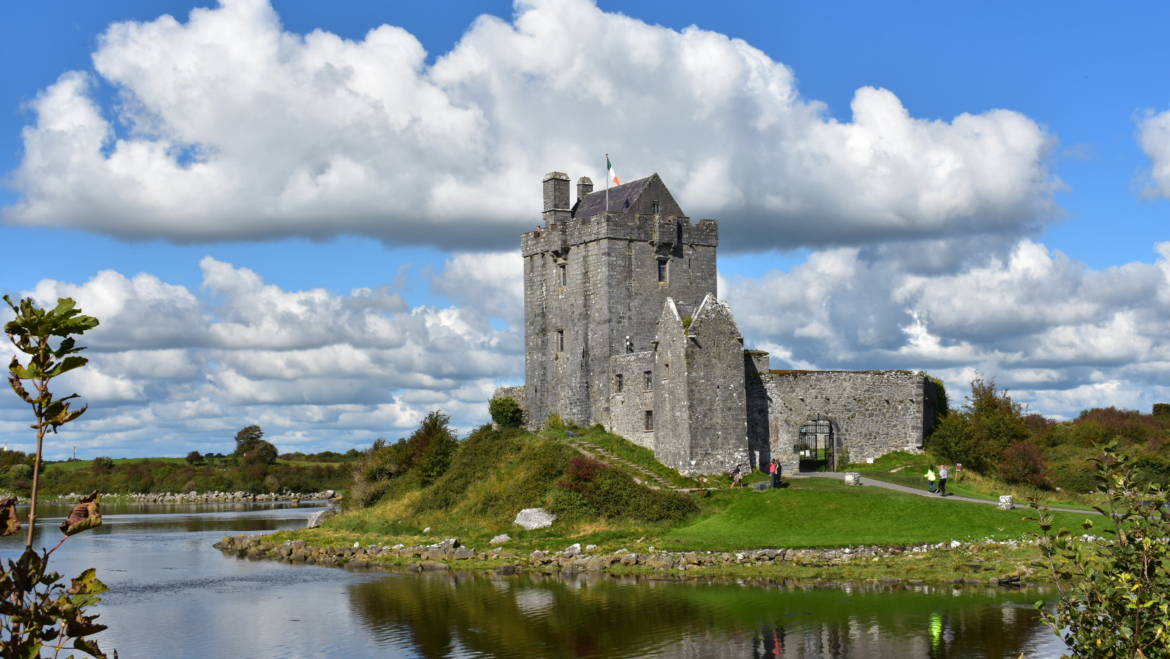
pixel 495 473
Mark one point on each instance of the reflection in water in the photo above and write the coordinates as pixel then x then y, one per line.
pixel 173 595
pixel 596 616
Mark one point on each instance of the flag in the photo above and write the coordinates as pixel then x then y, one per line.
pixel 610 173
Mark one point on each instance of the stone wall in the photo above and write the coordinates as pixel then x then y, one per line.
pixel 627 408
pixel 715 389
pixel 872 412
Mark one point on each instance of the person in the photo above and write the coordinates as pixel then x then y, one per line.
pixel 774 469
pixel 736 476
pixel 930 478
pixel 942 480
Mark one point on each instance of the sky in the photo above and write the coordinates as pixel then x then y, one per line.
pixel 306 215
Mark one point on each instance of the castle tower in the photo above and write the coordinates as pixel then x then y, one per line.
pixel 595 281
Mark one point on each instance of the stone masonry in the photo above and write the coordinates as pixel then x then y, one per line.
pixel 623 327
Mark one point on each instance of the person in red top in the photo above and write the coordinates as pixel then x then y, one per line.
pixel 774 469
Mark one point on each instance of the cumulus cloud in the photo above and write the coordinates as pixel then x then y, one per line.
pixel 1043 324
pixel 1154 137
pixel 230 127
pixel 173 369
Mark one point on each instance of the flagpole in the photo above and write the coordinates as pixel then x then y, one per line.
pixel 607 183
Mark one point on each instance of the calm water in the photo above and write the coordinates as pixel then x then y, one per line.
pixel 173 595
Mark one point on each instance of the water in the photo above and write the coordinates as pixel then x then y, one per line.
pixel 173 595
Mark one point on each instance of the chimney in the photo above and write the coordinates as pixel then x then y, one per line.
pixel 584 187
pixel 556 197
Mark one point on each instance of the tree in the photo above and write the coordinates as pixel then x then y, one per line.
pixel 194 458
pixel 39 611
pixel 246 439
pixel 1114 588
pixel 101 465
pixel 261 452
pixel 989 422
pixel 506 412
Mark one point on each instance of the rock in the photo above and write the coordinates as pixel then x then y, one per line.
pixel 852 478
pixel 590 548
pixel 426 530
pixel 761 486
pixel 534 518
pixel 500 539
pixel 449 543
pixel 320 516
pixel 1006 502
pixel 463 553
pixel 572 550
pixel 433 566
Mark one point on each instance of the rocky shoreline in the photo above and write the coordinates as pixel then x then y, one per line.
pixel 200 497
pixel 451 554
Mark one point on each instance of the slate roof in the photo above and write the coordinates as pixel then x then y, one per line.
pixel 621 197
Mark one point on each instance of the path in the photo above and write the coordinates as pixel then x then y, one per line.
pixel 922 493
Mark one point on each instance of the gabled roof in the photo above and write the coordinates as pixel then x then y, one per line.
pixel 621 198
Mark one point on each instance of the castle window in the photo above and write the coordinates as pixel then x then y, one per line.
pixel 563 273
pixel 655 207
pixel 662 269
pixel 618 383
pixel 647 379
pixel 648 423
pixel 560 340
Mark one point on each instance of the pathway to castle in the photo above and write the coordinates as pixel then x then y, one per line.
pixel 649 478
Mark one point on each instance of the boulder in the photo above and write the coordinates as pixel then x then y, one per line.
pixel 534 518
pixel 320 516
pixel 852 478
pixel 1006 502
pixel 500 539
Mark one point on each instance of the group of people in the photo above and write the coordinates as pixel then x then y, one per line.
pixel 773 468
pixel 938 480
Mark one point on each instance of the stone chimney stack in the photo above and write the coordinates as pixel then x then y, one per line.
pixel 556 197
pixel 584 187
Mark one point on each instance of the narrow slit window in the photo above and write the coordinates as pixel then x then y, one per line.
pixel 663 270
pixel 563 273
pixel 560 340
pixel 655 207
pixel 647 379
pixel 618 384
pixel 648 422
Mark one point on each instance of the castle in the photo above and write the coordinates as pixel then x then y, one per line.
pixel 623 328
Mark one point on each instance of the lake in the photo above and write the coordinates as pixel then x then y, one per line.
pixel 173 595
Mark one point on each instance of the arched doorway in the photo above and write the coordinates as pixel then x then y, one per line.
pixel 816 445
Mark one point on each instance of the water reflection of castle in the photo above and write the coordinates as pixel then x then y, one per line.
pixel 599 616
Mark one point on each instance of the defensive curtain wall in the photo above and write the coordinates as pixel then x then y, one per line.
pixel 623 328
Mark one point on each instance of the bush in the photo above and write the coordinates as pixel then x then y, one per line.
pixel 977 436
pixel 506 412
pixel 1115 588
pixel 102 465
pixel 194 458
pixel 1023 463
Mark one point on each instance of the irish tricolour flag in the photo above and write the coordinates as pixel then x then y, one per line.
pixel 609 171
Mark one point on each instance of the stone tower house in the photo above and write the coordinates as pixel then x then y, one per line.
pixel 623 327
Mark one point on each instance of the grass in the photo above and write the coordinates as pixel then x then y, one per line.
pixel 75 465
pixel 625 449
pixel 827 513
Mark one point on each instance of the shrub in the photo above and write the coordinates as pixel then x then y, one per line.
pixel 194 458
pixel 978 435
pixel 1161 409
pixel 1023 463
pixel 506 412
pixel 1114 588
pixel 554 422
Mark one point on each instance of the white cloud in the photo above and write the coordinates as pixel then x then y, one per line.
pixel 1154 137
pixel 229 127
pixel 173 370
pixel 1046 326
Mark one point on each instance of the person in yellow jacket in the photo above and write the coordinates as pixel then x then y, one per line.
pixel 930 477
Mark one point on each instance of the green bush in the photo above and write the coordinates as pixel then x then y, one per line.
pixel 506 412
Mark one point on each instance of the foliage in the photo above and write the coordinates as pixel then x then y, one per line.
pixel 1023 462
pixel 194 458
pixel 247 439
pixel 38 611
pixel 977 436
pixel 41 613
pixel 102 465
pixel 506 412
pixel 1115 589
pixel 424 457
pixel 611 494
pixel 1161 409
pixel 554 422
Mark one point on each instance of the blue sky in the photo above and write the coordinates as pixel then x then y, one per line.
pixel 1025 248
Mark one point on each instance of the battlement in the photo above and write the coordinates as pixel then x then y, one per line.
pixel 558 235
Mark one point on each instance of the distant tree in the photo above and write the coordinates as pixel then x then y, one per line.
pixel 1023 462
pixel 194 457
pixel 246 439
pixel 261 452
pixel 977 436
pixel 102 465
pixel 506 412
